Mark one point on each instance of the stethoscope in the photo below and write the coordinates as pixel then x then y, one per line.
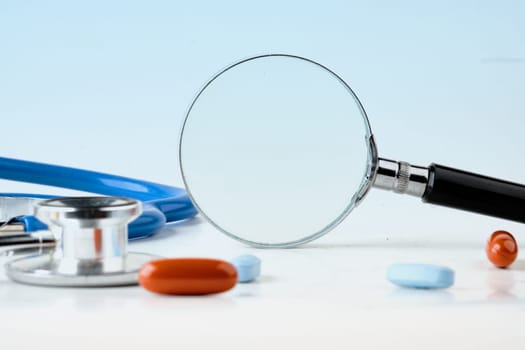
pixel 161 204
pixel 89 235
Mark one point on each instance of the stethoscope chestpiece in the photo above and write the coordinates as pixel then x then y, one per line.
pixel 92 249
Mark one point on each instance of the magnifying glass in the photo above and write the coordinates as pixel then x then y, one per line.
pixel 276 150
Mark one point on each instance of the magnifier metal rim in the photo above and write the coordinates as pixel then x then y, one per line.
pixel 365 187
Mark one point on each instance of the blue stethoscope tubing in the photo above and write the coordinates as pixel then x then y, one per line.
pixel 161 203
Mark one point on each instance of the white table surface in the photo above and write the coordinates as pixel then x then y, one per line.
pixel 332 293
pixel 105 86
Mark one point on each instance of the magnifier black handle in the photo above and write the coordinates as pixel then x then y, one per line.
pixel 476 193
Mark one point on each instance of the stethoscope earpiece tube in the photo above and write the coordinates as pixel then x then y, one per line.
pixel 162 203
pixel 476 193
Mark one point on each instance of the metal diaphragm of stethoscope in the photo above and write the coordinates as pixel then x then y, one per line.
pixel 93 244
pixel 276 150
pixel 82 242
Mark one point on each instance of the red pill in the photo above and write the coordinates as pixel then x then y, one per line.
pixel 187 276
pixel 501 249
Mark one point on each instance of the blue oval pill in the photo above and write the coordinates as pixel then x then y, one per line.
pixel 420 275
pixel 248 267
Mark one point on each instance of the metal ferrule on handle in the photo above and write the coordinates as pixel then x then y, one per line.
pixel 401 177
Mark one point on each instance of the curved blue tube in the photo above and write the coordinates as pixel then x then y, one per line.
pixel 162 203
pixel 31 224
pixel 84 180
pixel 147 224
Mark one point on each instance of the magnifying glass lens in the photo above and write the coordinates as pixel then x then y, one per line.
pixel 275 150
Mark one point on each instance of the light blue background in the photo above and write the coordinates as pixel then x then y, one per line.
pixel 105 85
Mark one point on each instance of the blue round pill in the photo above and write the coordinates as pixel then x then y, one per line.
pixel 420 276
pixel 248 267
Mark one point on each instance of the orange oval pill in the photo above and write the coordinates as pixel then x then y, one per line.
pixel 501 249
pixel 187 276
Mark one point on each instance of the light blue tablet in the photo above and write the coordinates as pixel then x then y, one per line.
pixel 248 267
pixel 420 276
